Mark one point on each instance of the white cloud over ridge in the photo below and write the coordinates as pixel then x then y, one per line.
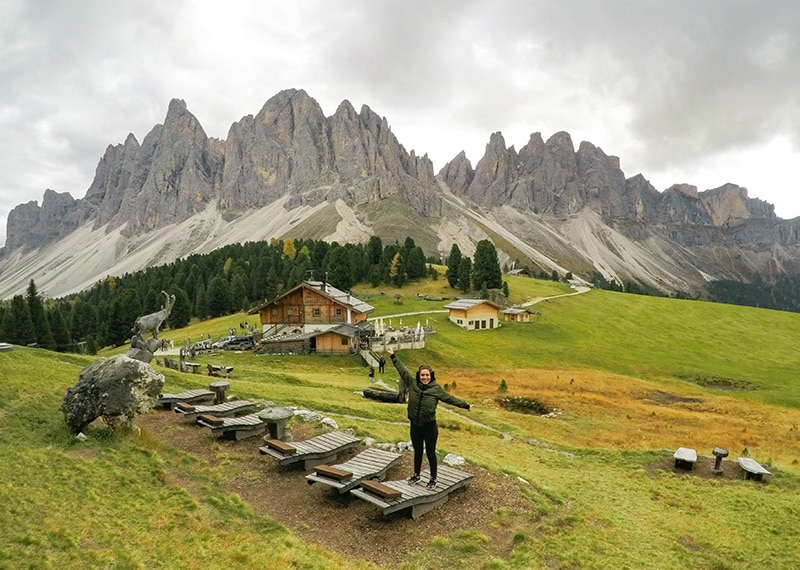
pixel 697 92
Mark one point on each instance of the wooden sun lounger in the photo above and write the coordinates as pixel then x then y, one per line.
pixel 417 497
pixel 190 396
pixel 312 452
pixel 237 428
pixel 226 409
pixel 371 463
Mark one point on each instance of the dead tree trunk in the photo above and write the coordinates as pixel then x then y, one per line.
pixel 391 396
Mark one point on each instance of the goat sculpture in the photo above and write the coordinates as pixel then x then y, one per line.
pixel 153 321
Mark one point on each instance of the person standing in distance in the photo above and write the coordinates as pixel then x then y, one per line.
pixel 424 395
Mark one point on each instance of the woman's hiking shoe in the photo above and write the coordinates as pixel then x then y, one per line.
pixel 431 484
pixel 413 480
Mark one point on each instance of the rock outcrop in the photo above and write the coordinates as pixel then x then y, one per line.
pixel 115 389
pixel 180 192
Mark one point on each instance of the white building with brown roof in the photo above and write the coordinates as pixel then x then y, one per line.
pixel 474 314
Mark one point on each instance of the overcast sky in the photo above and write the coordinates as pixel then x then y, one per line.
pixel 701 92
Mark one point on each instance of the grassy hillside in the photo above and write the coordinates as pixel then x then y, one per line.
pixel 630 378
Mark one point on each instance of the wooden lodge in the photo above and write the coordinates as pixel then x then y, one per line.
pixel 314 317
pixel 474 314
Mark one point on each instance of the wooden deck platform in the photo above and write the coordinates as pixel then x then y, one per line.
pixel 371 463
pixel 237 428
pixel 418 498
pixel 190 396
pixel 224 410
pixel 315 451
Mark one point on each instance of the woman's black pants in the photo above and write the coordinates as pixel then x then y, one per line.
pixel 425 435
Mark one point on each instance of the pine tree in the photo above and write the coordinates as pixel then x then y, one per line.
pixel 238 293
pixel 453 266
pixel 201 301
pixel 124 310
pixel 338 267
pixel 17 323
pixel 415 266
pixel 58 324
pixel 180 315
pixel 464 274
pixel 44 336
pixel 374 250
pixel 486 268
pixel 219 300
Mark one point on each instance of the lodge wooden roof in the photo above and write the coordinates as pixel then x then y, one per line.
pixel 326 290
pixel 466 304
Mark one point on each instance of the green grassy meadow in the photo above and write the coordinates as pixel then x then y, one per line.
pixel 631 378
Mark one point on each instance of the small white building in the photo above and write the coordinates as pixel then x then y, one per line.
pixel 474 314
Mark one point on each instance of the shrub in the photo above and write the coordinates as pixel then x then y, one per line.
pixel 524 405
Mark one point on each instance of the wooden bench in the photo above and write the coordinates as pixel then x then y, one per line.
pixel 417 498
pixel 315 451
pixel 190 396
pixel 219 371
pixel 685 458
pixel 751 469
pixel 372 463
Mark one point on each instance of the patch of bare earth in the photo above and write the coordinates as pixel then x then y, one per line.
pixel 343 524
pixel 702 469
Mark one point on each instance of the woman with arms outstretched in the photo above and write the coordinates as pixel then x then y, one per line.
pixel 423 397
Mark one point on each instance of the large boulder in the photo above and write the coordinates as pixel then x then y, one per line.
pixel 115 389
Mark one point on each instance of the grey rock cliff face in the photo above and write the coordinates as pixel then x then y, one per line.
pixel 32 226
pixel 291 148
pixel 564 206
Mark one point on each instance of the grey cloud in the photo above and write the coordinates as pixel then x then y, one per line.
pixel 667 86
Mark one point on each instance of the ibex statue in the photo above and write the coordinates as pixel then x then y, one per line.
pixel 153 321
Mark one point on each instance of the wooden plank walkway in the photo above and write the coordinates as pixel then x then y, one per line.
pixel 223 410
pixel 236 428
pixel 371 463
pixel 418 497
pixel 315 451
pixel 199 395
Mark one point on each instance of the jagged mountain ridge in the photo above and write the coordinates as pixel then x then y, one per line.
pixel 291 171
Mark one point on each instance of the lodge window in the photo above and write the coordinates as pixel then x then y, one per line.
pixel 344 341
pixel 338 311
pixel 316 312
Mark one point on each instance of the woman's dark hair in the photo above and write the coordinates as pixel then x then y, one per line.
pixel 426 367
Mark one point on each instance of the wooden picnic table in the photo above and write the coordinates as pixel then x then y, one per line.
pixel 752 469
pixel 219 370
pixel 685 458
pixel 276 418
pixel 219 388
